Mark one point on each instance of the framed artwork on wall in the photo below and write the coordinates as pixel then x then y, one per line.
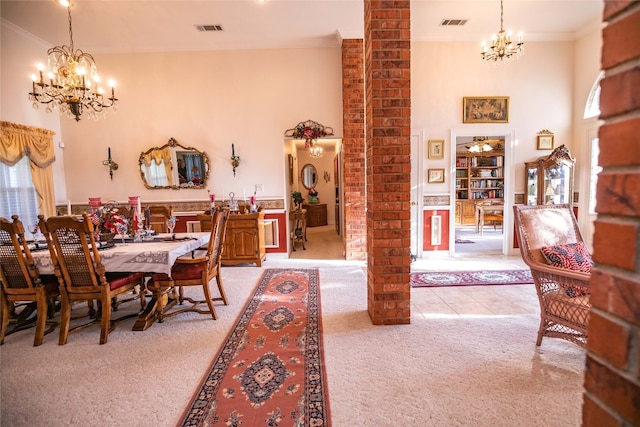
pixel 485 109
pixel 545 140
pixel 436 148
pixel 435 175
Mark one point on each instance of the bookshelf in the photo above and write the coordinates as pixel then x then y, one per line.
pixel 479 176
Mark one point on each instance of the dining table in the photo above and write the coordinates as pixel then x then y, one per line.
pixel 156 254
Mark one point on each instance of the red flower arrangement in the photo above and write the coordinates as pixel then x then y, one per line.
pixel 106 219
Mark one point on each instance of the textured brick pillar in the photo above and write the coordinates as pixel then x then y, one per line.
pixel 612 377
pixel 353 148
pixel 388 163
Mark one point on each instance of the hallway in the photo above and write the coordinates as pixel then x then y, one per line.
pixel 322 243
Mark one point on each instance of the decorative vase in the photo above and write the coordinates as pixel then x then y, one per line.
pixel 313 200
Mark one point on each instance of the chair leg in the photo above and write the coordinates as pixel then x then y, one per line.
pixel 65 319
pixel 6 309
pixel 223 295
pixel 209 301
pixel 41 319
pixel 540 331
pixel 105 322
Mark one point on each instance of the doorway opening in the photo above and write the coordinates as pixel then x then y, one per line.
pixel 320 190
pixel 481 192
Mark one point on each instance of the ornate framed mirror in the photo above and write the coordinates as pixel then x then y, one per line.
pixel 309 176
pixel 173 166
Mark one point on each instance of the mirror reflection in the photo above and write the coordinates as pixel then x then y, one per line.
pixel 309 176
pixel 174 166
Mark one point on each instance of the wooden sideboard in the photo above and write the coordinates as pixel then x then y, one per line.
pixel 244 240
pixel 316 214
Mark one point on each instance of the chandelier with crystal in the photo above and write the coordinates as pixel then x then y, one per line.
pixel 502 47
pixel 73 83
pixel 315 151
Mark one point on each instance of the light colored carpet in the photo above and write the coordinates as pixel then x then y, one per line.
pixel 441 370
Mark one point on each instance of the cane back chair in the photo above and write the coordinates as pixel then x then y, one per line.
pixel 80 272
pixel 563 293
pixel 21 282
pixel 197 271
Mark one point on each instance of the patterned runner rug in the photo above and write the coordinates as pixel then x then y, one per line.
pixel 270 371
pixel 471 278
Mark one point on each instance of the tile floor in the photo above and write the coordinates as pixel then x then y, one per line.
pixel 457 301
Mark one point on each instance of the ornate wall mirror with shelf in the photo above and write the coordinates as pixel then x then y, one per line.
pixel 309 176
pixel 174 166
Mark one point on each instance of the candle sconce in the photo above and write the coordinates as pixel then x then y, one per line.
pixel 235 160
pixel 113 166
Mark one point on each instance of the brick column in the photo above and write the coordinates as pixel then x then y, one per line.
pixel 353 148
pixel 612 378
pixel 388 163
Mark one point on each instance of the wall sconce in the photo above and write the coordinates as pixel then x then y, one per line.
pixel 113 166
pixel 327 177
pixel 235 160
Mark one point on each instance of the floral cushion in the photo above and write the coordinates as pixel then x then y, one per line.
pixel 572 256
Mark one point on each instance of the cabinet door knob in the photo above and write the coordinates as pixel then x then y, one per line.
pixel 414 203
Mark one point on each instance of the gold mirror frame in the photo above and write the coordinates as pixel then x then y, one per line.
pixel 169 155
pixel 309 173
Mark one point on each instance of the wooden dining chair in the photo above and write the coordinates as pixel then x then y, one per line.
pixel 197 271
pixel 206 222
pixel 158 217
pixel 21 282
pixel 82 276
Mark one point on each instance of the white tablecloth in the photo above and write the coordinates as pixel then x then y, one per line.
pixel 148 257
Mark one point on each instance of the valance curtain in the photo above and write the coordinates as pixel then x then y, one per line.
pixel 17 141
pixel 159 156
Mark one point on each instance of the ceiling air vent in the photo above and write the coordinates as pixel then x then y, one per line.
pixel 453 22
pixel 209 27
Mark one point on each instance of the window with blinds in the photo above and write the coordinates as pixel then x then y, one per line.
pixel 17 193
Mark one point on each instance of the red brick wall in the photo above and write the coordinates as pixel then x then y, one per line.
pixel 612 377
pixel 388 163
pixel 353 148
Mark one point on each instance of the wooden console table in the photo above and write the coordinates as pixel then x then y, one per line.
pixel 316 214
pixel 244 240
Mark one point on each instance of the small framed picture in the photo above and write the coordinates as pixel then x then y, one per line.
pixel 545 142
pixel 435 175
pixel 436 148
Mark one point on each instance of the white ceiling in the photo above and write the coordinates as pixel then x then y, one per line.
pixel 103 26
